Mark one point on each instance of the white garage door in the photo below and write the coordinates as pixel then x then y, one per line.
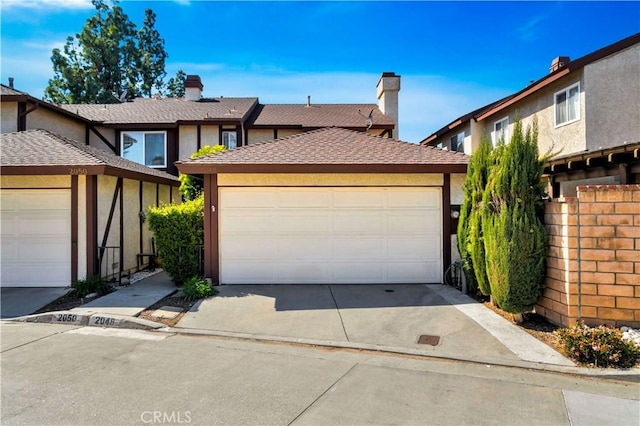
pixel 330 235
pixel 36 238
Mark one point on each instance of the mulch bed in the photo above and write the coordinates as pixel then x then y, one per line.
pixel 64 303
pixel 173 300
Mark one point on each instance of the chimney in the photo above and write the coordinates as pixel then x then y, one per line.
pixel 308 100
pixel 558 63
pixel 388 88
pixel 11 82
pixel 193 88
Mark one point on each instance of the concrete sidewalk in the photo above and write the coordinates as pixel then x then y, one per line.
pixel 394 317
pixel 21 301
pixel 130 301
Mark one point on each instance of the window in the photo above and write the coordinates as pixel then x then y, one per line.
pixel 229 139
pixel 148 148
pixel 457 142
pixel 567 105
pixel 500 131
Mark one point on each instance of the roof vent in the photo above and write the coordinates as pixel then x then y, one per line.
pixel 308 100
pixel 558 63
pixel 10 82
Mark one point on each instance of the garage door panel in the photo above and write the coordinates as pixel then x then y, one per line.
pixel 304 198
pixel 331 235
pixel 247 199
pixel 52 224
pixel 44 250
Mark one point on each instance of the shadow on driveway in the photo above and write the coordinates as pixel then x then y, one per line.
pixel 20 301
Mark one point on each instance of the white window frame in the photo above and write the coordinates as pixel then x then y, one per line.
pixel 144 133
pixel 226 145
pixel 566 91
pixel 495 136
pixel 459 139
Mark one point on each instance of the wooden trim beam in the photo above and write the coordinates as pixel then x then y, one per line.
pixel 74 228
pixel 446 224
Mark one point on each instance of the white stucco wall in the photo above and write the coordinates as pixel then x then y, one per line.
pixel 209 135
pixel 41 118
pixel 109 134
pixel 259 135
pixel 457 181
pixel 9 117
pixel 445 139
pixel 612 94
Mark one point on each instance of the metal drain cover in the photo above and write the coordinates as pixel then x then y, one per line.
pixel 426 339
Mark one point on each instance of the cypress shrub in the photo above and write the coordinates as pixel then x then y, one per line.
pixel 514 234
pixel 178 229
pixel 470 226
pixel 478 173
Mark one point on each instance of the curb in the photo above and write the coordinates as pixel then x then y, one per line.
pixel 91 320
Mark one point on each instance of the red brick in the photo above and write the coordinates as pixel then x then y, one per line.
pixel 589 243
pixel 633 279
pixel 628 231
pixel 615 290
pixel 628 208
pixel 551 294
pixel 637 315
pixel 587 219
pixel 636 220
pixel 597 231
pixel 589 311
pixel 637 291
pixel 556 274
pixel 628 255
pixel 596 208
pixel 625 267
pixel 598 277
pixel 555 284
pixel 597 254
pixel 616 314
pixel 616 243
pixel 609 196
pixel 588 289
pixel 588 266
pixel 637 267
pixel 615 219
pixel 636 195
pixel 606 301
pixel 628 302
pixel 587 196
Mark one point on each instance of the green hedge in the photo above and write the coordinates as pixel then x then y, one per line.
pixel 178 229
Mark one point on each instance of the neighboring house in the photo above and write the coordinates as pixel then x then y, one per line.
pixel 158 132
pixel 329 206
pixel 587 113
pixel 63 202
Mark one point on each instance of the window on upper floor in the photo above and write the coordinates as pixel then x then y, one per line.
pixel 147 148
pixel 457 142
pixel 230 139
pixel 500 131
pixel 567 105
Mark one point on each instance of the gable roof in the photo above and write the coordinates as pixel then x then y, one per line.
pixel 166 110
pixel 507 101
pixel 320 115
pixel 45 153
pixel 8 91
pixel 330 149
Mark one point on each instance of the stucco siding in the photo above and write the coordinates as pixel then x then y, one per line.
pixel 41 118
pixel 612 94
pixel 148 201
pixel 445 139
pixel 258 135
pixel 209 135
pixel 131 226
pixel 164 195
pixel 457 182
pixel 562 140
pixel 18 182
pixel 9 117
pixel 106 189
pixel 283 133
pixel 109 134
pixel 188 136
pixel 336 179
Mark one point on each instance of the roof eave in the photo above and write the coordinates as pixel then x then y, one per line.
pixel 200 168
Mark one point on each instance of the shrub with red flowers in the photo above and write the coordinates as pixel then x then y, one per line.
pixel 599 347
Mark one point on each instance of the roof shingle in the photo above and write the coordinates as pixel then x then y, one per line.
pixel 321 115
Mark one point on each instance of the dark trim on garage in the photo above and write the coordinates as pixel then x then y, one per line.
pixel 74 229
pixel 141 209
pixel 446 223
pixel 92 225
pixel 211 238
pixel 121 239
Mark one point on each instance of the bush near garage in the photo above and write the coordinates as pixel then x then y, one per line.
pixel 198 288
pixel 178 230
pixel 598 347
pixel 94 284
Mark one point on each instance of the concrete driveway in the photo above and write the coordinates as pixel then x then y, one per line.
pixel 20 301
pixel 390 316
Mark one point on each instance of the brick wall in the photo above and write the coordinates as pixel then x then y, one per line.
pixel 593 257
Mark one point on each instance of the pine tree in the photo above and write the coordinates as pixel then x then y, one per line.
pixel 469 228
pixel 514 234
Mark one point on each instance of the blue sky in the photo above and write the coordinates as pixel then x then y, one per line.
pixel 453 56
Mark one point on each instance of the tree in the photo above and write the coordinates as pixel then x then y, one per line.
pixel 513 230
pixel 109 60
pixel 175 86
pixel 469 225
pixel 191 185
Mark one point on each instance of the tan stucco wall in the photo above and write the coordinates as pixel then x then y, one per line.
pixel 18 182
pixel 106 189
pixel 337 179
pixel 283 133
pixel 148 200
pixel 445 139
pixel 457 181
pixel 131 225
pixel 41 118
pixel 209 135
pixel 164 195
pixel 188 141
pixel 109 134
pixel 563 140
pixel 612 88
pixel 9 117
pixel 258 135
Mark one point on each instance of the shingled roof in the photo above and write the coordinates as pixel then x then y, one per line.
pixel 8 91
pixel 166 110
pixel 330 149
pixel 42 152
pixel 321 115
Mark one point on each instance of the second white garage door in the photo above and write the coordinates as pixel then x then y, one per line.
pixel 330 235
